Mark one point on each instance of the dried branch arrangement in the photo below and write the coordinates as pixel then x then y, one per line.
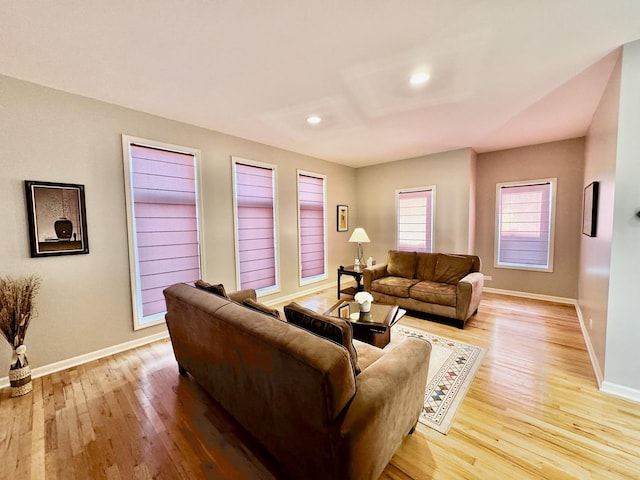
pixel 17 309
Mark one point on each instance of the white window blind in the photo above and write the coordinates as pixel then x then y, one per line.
pixel 415 220
pixel 311 211
pixel 525 225
pixel 255 226
pixel 164 224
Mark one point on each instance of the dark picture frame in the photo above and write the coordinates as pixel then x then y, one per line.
pixel 342 218
pixel 590 209
pixel 57 218
pixel 344 311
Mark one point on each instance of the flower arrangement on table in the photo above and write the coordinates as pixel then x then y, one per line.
pixel 17 297
pixel 365 299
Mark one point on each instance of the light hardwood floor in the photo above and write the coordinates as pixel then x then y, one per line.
pixel 533 411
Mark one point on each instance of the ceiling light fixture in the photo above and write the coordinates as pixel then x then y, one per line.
pixel 419 78
pixel 314 120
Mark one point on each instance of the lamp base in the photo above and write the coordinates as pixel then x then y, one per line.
pixel 360 254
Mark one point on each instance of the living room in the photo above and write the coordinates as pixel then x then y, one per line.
pixel 84 304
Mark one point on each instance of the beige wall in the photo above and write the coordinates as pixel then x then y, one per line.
pixel 450 172
pixel 562 160
pixel 84 304
pixel 595 252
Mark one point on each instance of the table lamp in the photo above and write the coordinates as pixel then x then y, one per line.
pixel 359 236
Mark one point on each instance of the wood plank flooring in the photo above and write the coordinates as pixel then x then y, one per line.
pixel 532 412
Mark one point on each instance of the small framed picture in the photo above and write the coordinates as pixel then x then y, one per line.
pixel 344 311
pixel 590 209
pixel 343 218
pixel 57 218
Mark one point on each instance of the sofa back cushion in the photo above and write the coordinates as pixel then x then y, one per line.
pixel 401 264
pixel 426 266
pixel 208 287
pixel 252 304
pixel 452 268
pixel 335 329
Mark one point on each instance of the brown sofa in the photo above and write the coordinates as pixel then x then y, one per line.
pixel 298 393
pixel 436 283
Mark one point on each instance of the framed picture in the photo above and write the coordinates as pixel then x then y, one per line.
pixel 590 209
pixel 343 218
pixel 57 218
pixel 344 311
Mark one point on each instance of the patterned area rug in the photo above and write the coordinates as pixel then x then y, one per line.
pixel 452 367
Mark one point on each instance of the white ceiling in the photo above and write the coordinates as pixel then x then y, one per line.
pixel 503 73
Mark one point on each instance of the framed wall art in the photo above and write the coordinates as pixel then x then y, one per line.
pixel 57 218
pixel 590 209
pixel 344 311
pixel 343 218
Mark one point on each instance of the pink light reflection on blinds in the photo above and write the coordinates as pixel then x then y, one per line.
pixel 256 220
pixel 524 224
pixel 415 221
pixel 312 241
pixel 166 225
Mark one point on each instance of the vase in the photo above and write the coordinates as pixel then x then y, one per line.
pixel 20 380
pixel 365 306
pixel 63 228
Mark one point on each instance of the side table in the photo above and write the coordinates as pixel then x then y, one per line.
pixel 355 272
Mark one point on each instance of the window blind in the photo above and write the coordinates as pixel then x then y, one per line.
pixel 166 224
pixel 415 220
pixel 524 225
pixel 311 210
pixel 255 226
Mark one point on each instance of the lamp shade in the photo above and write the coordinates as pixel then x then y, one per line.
pixel 359 236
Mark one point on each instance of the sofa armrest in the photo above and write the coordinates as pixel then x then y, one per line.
pixel 469 292
pixel 389 399
pixel 373 273
pixel 241 295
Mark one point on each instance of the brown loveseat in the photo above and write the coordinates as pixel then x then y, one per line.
pixel 436 283
pixel 296 392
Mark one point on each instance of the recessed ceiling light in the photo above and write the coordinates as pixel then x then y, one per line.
pixel 314 120
pixel 419 78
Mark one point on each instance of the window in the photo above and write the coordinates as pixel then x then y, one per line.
pixel 414 217
pixel 162 218
pixel 525 224
pixel 255 217
pixel 311 224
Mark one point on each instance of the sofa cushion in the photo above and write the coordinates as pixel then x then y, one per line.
pixel 217 289
pixel 252 304
pixel 426 265
pixel 367 354
pixel 335 329
pixel 401 264
pixel 452 268
pixel 394 286
pixel 434 292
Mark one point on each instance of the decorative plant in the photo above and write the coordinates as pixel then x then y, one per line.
pixel 363 297
pixel 16 311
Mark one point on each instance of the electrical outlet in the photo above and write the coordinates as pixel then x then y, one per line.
pixel 591 324
pixel 488 278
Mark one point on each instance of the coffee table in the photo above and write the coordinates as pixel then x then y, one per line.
pixel 373 327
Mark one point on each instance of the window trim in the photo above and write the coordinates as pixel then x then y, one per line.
pixel 134 271
pixel 552 224
pixel 324 276
pixel 431 188
pixel 276 244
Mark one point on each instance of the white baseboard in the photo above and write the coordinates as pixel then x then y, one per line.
pixel 620 391
pixel 534 296
pixel 89 357
pixel 595 364
pixel 302 293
